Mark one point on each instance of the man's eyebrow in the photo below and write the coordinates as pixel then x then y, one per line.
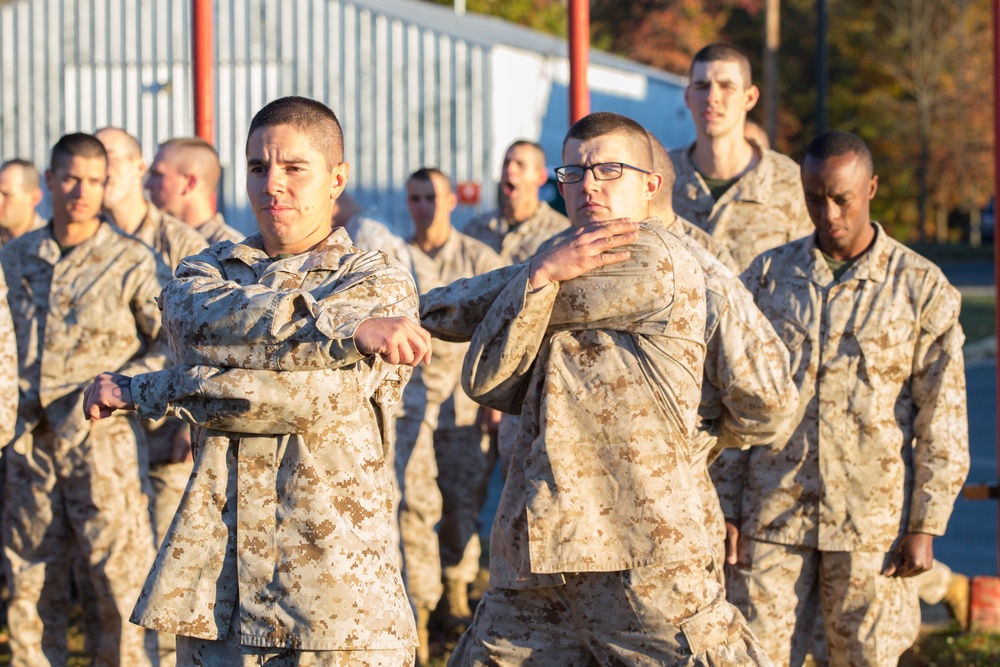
pixel 256 162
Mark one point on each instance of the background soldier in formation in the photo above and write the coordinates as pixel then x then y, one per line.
pixel 843 514
pixel 749 198
pixel 82 299
pixel 443 458
pixel 182 182
pixel 20 195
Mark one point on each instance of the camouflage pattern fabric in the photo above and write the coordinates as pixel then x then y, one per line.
pixel 434 464
pixel 765 208
pixel 287 521
pixel 880 447
pixel 370 234
pixel 748 395
pixel 216 230
pixel 519 242
pixel 70 482
pixel 869 619
pixel 659 615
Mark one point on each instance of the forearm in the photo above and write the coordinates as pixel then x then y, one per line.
pixel 728 473
pixel 216 322
pixel 453 312
pixel 505 345
pixel 248 401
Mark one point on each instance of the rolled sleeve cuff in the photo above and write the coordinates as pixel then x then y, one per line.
pixel 150 394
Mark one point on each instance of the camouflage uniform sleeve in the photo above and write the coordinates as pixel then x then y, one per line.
pixel 148 281
pixel 248 401
pixel 215 322
pixel 941 425
pixel 728 471
pixel 8 368
pixel 749 364
pixel 452 312
pixel 498 364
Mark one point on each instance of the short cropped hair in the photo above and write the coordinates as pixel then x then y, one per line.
pixel 129 144
pixel 727 52
pixel 837 143
pixel 602 123
pixel 536 147
pixel 310 117
pixel 662 165
pixel 30 180
pixel 196 153
pixel 428 173
pixel 77 144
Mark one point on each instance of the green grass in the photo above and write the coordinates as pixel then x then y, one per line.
pixel 948 647
pixel 977 317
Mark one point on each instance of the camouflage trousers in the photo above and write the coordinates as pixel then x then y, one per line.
pixel 672 614
pixel 80 500
pixel 419 510
pixel 465 459
pixel 229 652
pixel 168 482
pixel 869 619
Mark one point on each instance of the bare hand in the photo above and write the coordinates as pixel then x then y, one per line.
pixel 396 339
pixel 488 419
pixel 588 248
pixel 732 537
pixel 107 393
pixel 913 555
pixel 180 446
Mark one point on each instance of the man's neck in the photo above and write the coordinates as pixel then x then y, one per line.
pixel 129 214
pixel 521 212
pixel 197 214
pixel 20 229
pixel 70 234
pixel 723 157
pixel 432 239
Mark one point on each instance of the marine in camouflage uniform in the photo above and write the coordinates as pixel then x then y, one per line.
pixel 746 197
pixel 599 551
pixel 844 513
pixel 443 457
pixel 283 547
pixel 82 299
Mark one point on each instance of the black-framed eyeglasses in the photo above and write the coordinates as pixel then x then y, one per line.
pixel 605 171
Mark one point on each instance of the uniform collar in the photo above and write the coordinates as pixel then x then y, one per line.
pixel 872 265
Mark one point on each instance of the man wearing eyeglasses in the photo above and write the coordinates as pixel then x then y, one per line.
pixel 599 552
pixel 748 197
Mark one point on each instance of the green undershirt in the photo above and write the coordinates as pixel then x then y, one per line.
pixel 838 267
pixel 718 186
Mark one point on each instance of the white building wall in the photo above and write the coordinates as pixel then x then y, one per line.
pixel 413 84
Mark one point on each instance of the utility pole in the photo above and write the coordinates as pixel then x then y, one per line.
pixel 772 44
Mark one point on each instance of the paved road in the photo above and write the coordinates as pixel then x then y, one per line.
pixel 970 546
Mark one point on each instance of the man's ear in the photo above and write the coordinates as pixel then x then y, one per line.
pixel 340 172
pixel 36 197
pixel 873 187
pixel 652 187
pixel 752 95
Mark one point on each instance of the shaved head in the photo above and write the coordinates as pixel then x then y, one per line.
pixel 193 154
pixel 603 123
pixel 662 205
pixel 312 118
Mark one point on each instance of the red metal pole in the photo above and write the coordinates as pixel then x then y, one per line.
pixel 579 55
pixel 204 83
pixel 996 232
